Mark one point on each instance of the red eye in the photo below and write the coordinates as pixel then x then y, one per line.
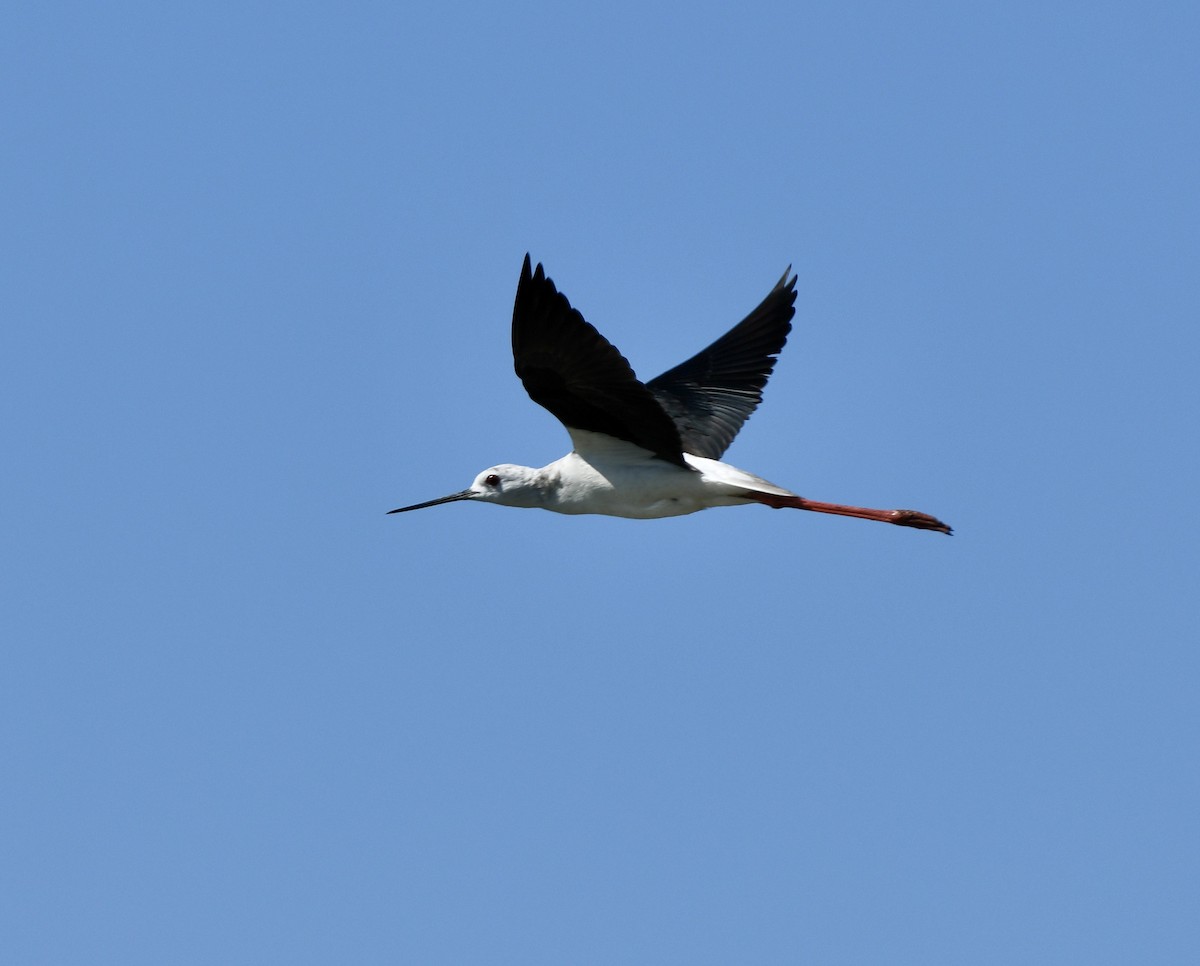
pixel 492 479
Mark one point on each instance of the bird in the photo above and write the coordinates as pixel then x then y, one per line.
pixel 645 450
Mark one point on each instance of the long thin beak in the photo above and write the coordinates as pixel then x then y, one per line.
pixel 461 495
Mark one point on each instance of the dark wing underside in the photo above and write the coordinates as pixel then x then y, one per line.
pixel 711 395
pixel 577 374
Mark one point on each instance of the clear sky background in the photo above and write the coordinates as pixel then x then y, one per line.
pixel 256 283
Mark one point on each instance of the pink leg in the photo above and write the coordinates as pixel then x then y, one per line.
pixel 901 518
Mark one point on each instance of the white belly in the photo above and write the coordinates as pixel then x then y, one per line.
pixel 647 488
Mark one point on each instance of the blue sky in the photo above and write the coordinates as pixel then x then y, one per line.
pixel 257 275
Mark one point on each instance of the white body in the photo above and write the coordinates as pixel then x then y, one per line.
pixel 613 477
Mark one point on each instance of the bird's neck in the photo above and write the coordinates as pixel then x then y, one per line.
pixel 537 488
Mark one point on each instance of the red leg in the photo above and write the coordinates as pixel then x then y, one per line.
pixel 901 518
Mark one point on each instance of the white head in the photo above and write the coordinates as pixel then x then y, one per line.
pixel 505 484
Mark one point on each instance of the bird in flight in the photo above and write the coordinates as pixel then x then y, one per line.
pixel 653 449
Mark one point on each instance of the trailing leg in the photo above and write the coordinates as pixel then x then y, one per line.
pixel 901 518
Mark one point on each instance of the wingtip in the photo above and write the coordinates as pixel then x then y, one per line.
pixel 529 272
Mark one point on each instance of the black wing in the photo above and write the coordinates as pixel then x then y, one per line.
pixel 577 374
pixel 711 395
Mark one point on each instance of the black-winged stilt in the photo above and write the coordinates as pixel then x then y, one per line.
pixel 645 450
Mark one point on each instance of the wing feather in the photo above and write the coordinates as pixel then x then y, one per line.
pixel 572 370
pixel 711 395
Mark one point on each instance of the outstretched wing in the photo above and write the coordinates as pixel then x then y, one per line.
pixel 577 374
pixel 711 395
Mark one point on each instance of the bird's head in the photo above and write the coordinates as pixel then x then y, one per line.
pixel 505 484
